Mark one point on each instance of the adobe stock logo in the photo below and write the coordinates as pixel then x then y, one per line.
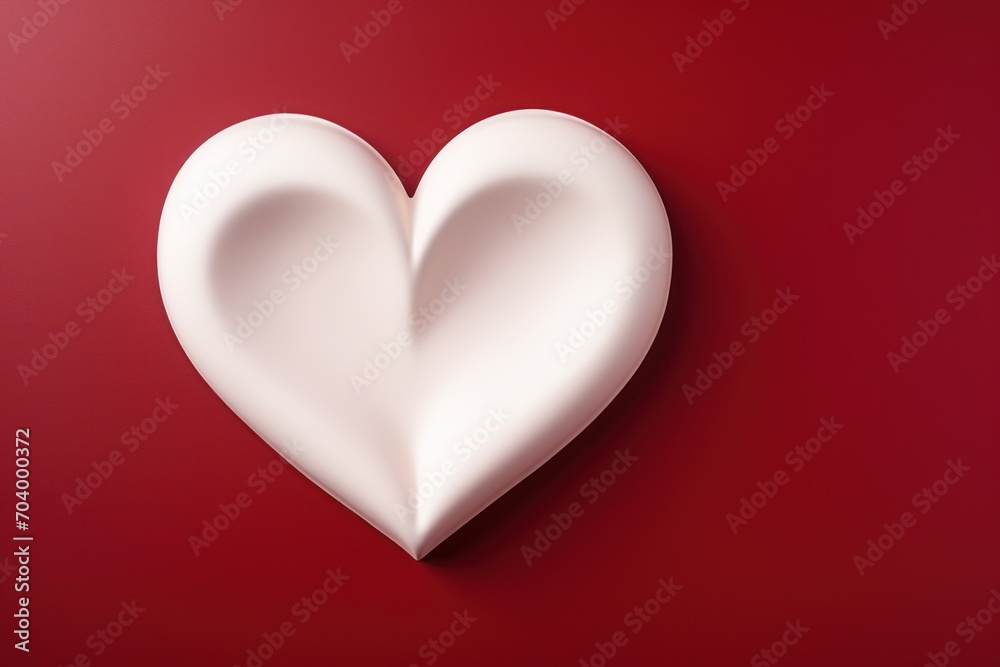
pixel 713 29
pixel 787 126
pixel 454 117
pixel 462 450
pixel 121 107
pixel 60 339
pixel 924 501
pixel 30 25
pixel 365 33
pixel 752 330
pixel 269 304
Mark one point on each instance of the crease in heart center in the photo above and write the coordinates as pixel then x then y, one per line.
pixel 420 320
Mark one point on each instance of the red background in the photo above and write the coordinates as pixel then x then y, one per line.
pixel 666 516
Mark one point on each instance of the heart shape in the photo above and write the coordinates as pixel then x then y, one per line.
pixel 416 358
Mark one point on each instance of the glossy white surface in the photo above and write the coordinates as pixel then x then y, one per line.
pixel 457 307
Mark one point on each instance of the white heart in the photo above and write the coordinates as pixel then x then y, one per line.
pixel 493 315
